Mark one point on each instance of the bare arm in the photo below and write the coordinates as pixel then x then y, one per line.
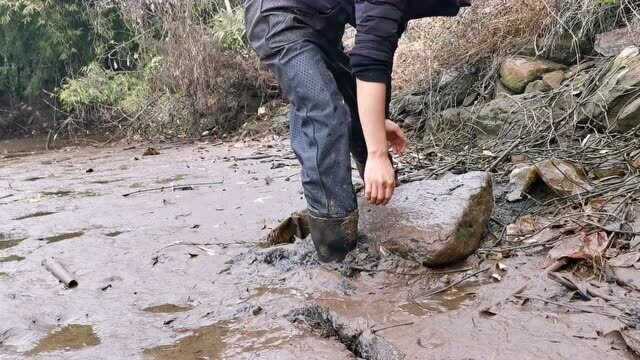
pixel 379 176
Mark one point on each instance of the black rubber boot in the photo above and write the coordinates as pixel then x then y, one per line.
pixel 334 238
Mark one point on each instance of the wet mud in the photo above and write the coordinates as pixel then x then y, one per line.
pixel 179 274
pixel 70 337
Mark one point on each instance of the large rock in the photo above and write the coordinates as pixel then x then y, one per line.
pixel 516 72
pixel 615 103
pixel 613 42
pixel 434 222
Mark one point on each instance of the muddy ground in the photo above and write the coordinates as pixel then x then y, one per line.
pixel 178 274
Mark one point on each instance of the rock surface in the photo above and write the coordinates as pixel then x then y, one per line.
pixel 433 222
pixel 613 42
pixel 537 86
pixel 615 103
pixel 517 72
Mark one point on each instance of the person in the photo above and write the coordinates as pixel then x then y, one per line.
pixel 339 103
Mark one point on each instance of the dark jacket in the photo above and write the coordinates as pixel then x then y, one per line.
pixel 379 25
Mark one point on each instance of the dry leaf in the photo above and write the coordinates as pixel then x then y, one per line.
pixel 563 177
pixel 625 260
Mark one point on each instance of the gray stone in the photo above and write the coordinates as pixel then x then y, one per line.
pixel 614 103
pixel 554 79
pixel 537 86
pixel 613 42
pixel 433 222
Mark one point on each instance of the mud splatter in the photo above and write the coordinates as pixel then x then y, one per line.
pixel 61 237
pixel 35 215
pixel 166 309
pixel 70 337
pixel 205 343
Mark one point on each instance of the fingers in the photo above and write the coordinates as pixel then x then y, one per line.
pixel 388 193
pixel 375 193
pixel 380 194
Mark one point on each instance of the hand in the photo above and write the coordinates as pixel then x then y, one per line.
pixel 379 179
pixel 396 138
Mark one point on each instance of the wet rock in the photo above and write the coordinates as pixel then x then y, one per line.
pixel 537 86
pixel 433 222
pixel 517 72
pixel 613 42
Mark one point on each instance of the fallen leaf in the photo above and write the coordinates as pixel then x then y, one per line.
pixel 581 247
pixel 525 225
pixel 563 177
pixel 625 260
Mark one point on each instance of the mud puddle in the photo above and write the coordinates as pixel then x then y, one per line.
pixel 68 193
pixel 62 237
pixel 35 215
pixel 204 343
pixel 70 337
pixel 12 258
pixel 171 179
pixel 166 309
pixel 8 241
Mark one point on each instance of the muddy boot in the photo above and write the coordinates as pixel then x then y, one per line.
pixel 334 238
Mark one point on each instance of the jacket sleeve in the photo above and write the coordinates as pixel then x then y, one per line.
pixel 379 25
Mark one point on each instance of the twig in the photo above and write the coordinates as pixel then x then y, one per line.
pixel 466 277
pixel 391 271
pixel 174 187
pixel 392 326
pixel 568 306
pixel 503 156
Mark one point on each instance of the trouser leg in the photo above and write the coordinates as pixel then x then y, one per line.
pixel 321 128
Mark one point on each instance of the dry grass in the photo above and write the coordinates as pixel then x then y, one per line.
pixel 494 28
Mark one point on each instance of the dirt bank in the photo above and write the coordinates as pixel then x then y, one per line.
pixel 177 273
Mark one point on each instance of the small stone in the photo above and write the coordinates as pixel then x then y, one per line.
pixel 537 86
pixel 554 79
pixel 517 72
pixel 256 310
